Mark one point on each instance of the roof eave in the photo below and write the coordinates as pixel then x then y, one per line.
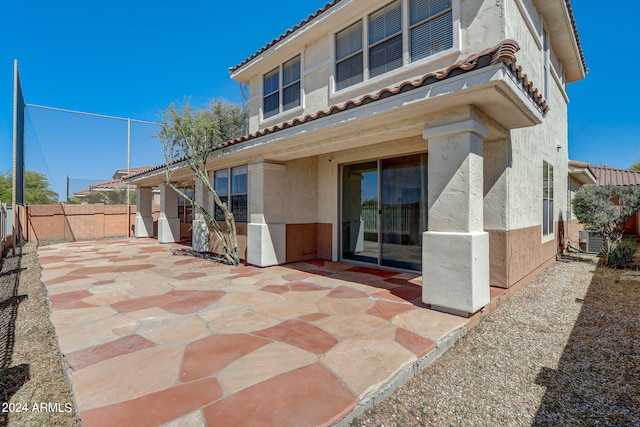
pixel 560 21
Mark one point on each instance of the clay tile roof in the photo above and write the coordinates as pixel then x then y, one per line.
pixel 111 184
pixel 286 34
pixel 612 176
pixel 138 169
pixel 504 52
pixel 578 164
pixel 575 33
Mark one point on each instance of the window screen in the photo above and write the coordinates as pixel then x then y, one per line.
pixel 221 185
pixel 349 57
pixel 430 27
pixel 385 39
pixel 291 84
pixel 271 93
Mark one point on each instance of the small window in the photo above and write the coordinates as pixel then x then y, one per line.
pixel 271 93
pixel 547 199
pixel 545 63
pixel 430 27
pixel 221 185
pixel 349 56
pixel 385 39
pixel 232 192
pixel 239 193
pixel 275 100
pixel 185 208
pixel 291 84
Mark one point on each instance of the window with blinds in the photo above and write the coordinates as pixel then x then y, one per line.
pixel 349 56
pixel 291 84
pixel 429 30
pixel 385 39
pixel 271 87
pixel 290 92
pixel 430 27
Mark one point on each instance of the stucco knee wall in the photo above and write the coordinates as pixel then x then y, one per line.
pixel 515 254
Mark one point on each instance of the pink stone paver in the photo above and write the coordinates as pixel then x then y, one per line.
pixel 307 396
pixel 301 334
pixel 156 339
pixel 89 356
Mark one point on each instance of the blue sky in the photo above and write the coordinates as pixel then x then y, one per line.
pixel 132 59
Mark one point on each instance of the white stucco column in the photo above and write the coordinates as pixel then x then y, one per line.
pixel 455 255
pixel 144 215
pixel 266 231
pixel 168 223
pixel 199 229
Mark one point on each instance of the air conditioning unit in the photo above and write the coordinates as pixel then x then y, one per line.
pixel 590 242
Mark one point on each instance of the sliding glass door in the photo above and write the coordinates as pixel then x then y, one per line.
pixel 384 211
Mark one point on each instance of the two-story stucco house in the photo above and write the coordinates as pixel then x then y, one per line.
pixel 424 135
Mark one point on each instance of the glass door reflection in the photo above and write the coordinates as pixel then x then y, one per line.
pixel 360 212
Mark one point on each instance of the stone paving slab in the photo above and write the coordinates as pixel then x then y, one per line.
pixel 153 339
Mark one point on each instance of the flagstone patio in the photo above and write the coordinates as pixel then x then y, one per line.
pixel 153 338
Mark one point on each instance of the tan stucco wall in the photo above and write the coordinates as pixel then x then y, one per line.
pixel 478 24
pixel 515 254
pixel 302 191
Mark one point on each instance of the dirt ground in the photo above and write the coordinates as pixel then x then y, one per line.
pixel 34 390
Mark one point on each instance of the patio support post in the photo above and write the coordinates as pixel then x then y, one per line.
pixel 169 222
pixel 455 254
pixel 144 216
pixel 266 231
pixel 200 231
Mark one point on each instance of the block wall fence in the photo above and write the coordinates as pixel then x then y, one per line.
pixel 65 222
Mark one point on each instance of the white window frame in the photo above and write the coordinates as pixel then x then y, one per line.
pixel 548 195
pixel 281 88
pixel 369 83
pixel 229 194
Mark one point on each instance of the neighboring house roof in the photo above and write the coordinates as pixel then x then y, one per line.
pixel 503 52
pixel 328 6
pixel 581 173
pixel 613 176
pixel 113 184
pixel 116 183
pixel 121 173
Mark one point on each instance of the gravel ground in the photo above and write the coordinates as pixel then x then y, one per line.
pixel 565 350
pixel 34 390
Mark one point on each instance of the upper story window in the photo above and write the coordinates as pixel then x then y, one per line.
pixel 349 54
pixel 385 39
pixel 545 63
pixel 427 31
pixel 281 88
pixel 430 26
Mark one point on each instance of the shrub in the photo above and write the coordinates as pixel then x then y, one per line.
pixel 623 254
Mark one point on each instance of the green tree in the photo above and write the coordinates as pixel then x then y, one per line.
pixel 189 137
pixel 605 210
pixel 635 166
pixel 37 190
pixel 117 196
